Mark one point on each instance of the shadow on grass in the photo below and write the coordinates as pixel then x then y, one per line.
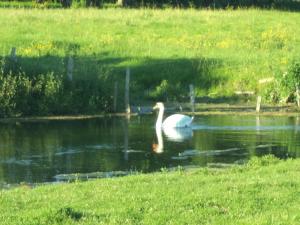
pixel 68 213
pixel 166 79
pixel 284 5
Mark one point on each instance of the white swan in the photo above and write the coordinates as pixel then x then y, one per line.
pixel 176 120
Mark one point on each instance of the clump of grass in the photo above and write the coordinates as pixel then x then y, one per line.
pixel 256 162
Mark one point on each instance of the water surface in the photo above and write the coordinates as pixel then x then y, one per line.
pixel 42 151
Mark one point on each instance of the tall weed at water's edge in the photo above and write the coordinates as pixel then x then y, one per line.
pixel 49 94
pixel 285 84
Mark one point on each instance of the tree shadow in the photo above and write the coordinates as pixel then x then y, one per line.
pixel 284 5
pixel 169 79
pixel 165 79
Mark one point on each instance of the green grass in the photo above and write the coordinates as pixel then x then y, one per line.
pixel 219 51
pixel 28 4
pixel 263 192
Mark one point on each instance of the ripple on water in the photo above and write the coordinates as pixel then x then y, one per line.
pixel 246 128
pixel 21 162
pixel 99 146
pixel 65 151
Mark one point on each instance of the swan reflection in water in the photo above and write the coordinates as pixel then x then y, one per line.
pixel 172 134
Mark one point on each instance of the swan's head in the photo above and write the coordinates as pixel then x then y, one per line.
pixel 159 105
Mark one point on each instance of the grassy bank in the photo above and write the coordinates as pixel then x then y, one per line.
pixel 201 109
pixel 220 52
pixel 28 4
pixel 263 192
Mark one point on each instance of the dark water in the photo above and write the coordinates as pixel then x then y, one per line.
pixel 38 152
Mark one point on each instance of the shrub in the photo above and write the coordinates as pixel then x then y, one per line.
pixel 8 89
pixel 291 78
pixel 45 94
pixel 285 85
pixel 48 94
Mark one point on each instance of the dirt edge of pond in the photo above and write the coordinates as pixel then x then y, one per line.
pixel 205 109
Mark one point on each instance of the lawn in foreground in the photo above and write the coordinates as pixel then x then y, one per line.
pixel 252 194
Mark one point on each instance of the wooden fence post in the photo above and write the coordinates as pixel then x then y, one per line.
pixel 192 97
pixel 70 68
pixel 258 104
pixel 115 96
pixel 127 80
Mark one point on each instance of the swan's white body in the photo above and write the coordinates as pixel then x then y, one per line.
pixel 178 134
pixel 173 121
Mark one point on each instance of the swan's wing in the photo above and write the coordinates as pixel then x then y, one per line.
pixel 177 120
pixel 178 134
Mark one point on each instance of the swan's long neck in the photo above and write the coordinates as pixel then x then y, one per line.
pixel 160 118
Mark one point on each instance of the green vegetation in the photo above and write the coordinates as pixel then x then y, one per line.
pixel 29 4
pixel 50 95
pixel 265 191
pixel 220 52
pixel 284 87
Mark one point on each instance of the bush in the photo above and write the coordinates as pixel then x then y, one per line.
pixel 48 94
pixel 284 87
pixel 291 79
pixel 44 95
pixel 8 89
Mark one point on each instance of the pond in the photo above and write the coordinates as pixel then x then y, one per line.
pixel 37 152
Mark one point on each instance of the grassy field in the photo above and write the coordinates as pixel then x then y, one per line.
pixel 266 191
pixel 28 4
pixel 219 51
